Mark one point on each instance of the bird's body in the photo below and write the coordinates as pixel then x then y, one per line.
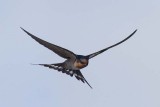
pixel 73 62
pixel 81 62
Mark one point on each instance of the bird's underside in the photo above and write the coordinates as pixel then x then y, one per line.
pixel 60 67
pixel 74 62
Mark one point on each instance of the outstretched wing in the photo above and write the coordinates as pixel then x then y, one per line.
pixel 57 49
pixel 99 52
pixel 60 67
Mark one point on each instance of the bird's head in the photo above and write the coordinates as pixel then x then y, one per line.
pixel 83 59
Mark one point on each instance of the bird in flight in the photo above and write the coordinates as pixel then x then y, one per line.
pixel 73 62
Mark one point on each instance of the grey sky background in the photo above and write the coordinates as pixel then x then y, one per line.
pixel 125 76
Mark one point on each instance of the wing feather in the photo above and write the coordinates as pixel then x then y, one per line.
pixel 99 52
pixel 56 49
pixel 60 67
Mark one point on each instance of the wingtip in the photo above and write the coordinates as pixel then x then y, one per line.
pixel 21 28
pixel 135 31
pixel 24 30
pixel 27 32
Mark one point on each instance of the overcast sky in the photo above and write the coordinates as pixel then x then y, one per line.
pixel 125 76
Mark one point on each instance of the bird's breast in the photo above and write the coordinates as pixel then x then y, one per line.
pixel 79 65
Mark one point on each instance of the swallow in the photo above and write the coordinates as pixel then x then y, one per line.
pixel 73 62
